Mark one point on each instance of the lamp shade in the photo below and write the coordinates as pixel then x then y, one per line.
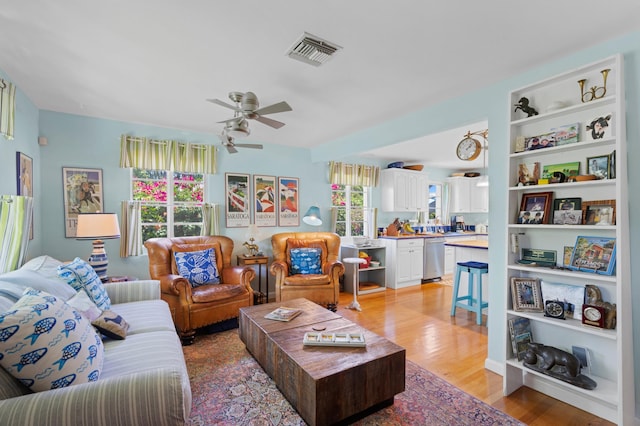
pixel 97 226
pixel 312 217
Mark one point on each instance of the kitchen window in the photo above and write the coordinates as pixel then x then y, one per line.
pixel 435 203
pixel 171 202
pixel 351 203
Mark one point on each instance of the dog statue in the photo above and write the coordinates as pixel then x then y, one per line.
pixel 523 105
pixel 551 357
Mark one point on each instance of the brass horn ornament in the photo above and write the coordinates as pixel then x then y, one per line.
pixel 595 92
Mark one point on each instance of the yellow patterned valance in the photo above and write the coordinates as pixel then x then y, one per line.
pixel 353 174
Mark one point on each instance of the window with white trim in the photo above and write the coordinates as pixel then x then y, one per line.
pixel 171 202
pixel 351 202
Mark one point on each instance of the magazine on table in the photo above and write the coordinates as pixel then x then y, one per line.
pixel 283 314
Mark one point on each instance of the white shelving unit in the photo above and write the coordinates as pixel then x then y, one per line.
pixel 611 350
pixel 372 279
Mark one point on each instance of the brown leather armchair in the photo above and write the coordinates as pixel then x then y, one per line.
pixel 323 288
pixel 196 307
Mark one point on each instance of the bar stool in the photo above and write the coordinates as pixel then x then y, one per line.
pixel 475 270
pixel 355 261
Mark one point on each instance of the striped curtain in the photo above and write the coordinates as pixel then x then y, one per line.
pixel 144 153
pixel 7 108
pixel 16 212
pixel 353 174
pixel 210 219
pixel 131 229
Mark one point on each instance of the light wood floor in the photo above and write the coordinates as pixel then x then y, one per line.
pixel 454 348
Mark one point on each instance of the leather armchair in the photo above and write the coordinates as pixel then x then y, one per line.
pixel 196 307
pixel 323 288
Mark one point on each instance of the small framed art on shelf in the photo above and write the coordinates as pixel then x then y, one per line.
pixel 526 294
pixel 601 212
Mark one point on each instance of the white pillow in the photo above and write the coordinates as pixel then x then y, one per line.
pixel 29 278
pixel 46 266
pixel 83 304
pixel 46 344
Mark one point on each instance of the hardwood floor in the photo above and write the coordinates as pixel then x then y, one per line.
pixel 454 348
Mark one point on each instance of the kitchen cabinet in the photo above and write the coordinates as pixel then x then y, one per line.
pixel 466 196
pixel 404 190
pixel 449 251
pixel 405 261
pixel 611 350
pixel 372 279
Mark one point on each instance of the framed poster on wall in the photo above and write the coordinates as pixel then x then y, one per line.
pixel 264 200
pixel 289 208
pixel 82 194
pixel 24 179
pixel 237 190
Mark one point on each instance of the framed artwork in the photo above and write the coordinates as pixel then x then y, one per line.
pixel 237 193
pixel 571 295
pixel 594 254
pixel 598 166
pixel 535 208
pixel 566 259
pixel 567 169
pixel 567 204
pixel 598 127
pixel 264 200
pixel 289 205
pixel 24 174
pixel 526 294
pixel 567 217
pixel 601 212
pixel 82 194
pixel 567 134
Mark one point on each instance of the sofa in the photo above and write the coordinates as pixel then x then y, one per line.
pixel 144 378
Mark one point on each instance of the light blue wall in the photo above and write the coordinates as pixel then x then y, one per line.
pixel 85 142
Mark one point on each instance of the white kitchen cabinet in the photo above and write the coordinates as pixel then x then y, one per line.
pixel 611 350
pixel 449 251
pixel 466 196
pixel 404 190
pixel 405 258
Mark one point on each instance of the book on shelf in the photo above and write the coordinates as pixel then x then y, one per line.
pixel 283 314
pixel 520 333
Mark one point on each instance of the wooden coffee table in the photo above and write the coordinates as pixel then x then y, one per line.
pixel 326 385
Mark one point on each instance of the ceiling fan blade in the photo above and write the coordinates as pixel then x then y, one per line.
pixel 248 145
pixel 224 104
pixel 230 120
pixel 231 148
pixel 269 122
pixel 273 109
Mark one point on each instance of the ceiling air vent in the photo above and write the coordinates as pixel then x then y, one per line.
pixel 312 50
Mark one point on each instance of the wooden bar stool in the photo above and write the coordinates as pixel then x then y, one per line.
pixel 355 263
pixel 468 302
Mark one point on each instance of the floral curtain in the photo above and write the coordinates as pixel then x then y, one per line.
pixel 354 174
pixel 145 153
pixel 16 213
pixel 7 108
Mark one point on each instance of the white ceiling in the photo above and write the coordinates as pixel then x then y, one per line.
pixel 155 62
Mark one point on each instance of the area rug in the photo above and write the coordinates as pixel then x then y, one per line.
pixel 230 388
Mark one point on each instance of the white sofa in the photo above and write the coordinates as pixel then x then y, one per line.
pixel 144 379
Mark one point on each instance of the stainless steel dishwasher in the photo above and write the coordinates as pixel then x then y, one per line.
pixel 433 258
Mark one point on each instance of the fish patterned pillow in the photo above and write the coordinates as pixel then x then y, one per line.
pixel 305 261
pixel 198 267
pixel 80 275
pixel 46 344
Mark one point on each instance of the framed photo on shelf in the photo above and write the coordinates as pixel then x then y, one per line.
pixel 567 134
pixel 571 295
pixel 82 194
pixel 598 127
pixel 594 254
pixel 612 165
pixel 598 166
pixel 567 204
pixel 566 259
pixel 567 169
pixel 567 217
pixel 526 294
pixel 289 206
pixel 237 211
pixel 265 200
pixel 538 205
pixel 601 212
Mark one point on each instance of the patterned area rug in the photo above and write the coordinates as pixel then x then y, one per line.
pixel 230 388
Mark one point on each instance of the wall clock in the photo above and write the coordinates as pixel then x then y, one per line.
pixel 469 148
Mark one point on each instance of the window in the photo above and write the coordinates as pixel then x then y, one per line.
pixel 352 203
pixel 435 203
pixel 171 202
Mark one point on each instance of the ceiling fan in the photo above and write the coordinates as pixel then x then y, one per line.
pixel 246 108
pixel 227 142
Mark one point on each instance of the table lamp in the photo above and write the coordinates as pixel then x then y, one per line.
pixel 98 227
pixel 312 217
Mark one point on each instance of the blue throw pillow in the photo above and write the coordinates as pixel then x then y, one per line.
pixel 81 276
pixel 305 261
pixel 198 267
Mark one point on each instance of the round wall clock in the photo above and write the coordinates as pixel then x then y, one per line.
pixel 468 149
pixel 554 309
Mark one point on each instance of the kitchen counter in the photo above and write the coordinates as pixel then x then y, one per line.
pixel 432 235
pixel 474 244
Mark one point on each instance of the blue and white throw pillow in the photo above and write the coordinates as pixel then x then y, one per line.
pixel 81 276
pixel 46 344
pixel 305 261
pixel 198 267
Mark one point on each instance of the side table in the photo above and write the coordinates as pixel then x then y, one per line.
pixel 260 261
